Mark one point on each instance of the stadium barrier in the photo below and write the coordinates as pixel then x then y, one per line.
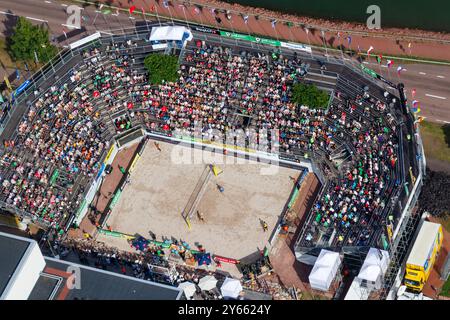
pixel 291 202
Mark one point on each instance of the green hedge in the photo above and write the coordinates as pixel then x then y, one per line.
pixel 309 95
pixel 161 68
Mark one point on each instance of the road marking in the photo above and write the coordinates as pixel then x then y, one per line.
pixel 8 13
pixel 443 121
pixel 422 73
pixel 442 77
pixel 365 62
pixel 64 5
pixel 46 1
pixel 36 19
pixel 383 66
pixel 433 96
pixel 70 26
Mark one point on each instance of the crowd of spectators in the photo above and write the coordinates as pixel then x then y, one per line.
pixel 435 197
pixel 219 91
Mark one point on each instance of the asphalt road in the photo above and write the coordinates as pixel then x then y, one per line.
pixel 431 82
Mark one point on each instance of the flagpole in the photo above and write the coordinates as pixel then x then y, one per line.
pixel 245 18
pixel 325 44
pixel 340 45
pixel 185 16
pixel 309 42
pixel 145 18
pixel 157 16
pixel 170 12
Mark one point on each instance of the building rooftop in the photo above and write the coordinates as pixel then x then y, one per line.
pixel 96 284
pixel 26 274
pixel 12 251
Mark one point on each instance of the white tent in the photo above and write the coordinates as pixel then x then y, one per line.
pixel 170 33
pixel 324 270
pixel 231 288
pixel 374 268
pixel 188 288
pixel 207 283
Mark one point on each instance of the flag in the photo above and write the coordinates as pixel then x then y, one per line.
pixel 143 11
pixel 413 93
pixel 339 35
pixel 166 4
pixel 379 58
pixel 132 8
pixel 245 19
pixel 390 63
pixel 349 40
pixel 400 69
pixel 273 22
pixel 307 30
pixel 181 6
pixel 8 84
pixel 196 10
pixel 369 51
pixel 101 6
pixel 409 45
pixel 213 11
pixel 323 33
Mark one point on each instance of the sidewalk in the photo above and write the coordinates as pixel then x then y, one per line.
pixel 438 49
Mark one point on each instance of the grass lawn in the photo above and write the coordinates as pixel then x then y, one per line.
pixel 445 291
pixel 9 63
pixel 436 140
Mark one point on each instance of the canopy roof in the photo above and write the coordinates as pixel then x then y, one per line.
pixel 324 270
pixel 231 288
pixel 375 265
pixel 170 33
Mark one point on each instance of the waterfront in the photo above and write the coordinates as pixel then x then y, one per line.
pixel 402 14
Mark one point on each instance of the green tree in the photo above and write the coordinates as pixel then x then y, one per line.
pixel 309 95
pixel 161 68
pixel 28 39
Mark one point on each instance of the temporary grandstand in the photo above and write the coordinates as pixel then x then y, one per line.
pixel 365 148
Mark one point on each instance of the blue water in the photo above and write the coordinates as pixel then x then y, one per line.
pixel 433 15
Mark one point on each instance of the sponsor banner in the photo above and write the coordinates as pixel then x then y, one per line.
pixel 115 199
pixel 269 42
pixel 133 164
pixel 246 37
pixel 206 30
pixel 82 207
pixel 115 234
pixel 109 153
pixel 100 172
pixel 296 46
pixel 21 88
pixel 369 71
pixel 224 259
pixel 217 144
